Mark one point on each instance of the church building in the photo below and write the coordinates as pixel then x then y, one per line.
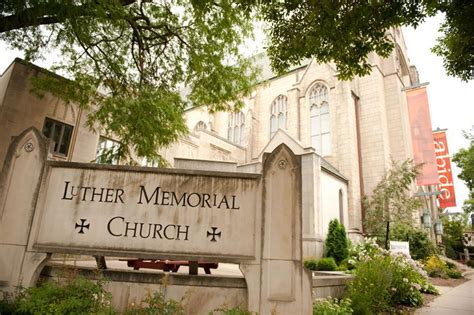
pixel 346 131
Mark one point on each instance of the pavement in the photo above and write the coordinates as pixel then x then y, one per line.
pixel 458 300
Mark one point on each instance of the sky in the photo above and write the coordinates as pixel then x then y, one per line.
pixel 451 100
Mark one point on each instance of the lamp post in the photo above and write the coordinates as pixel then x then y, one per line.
pixel 426 219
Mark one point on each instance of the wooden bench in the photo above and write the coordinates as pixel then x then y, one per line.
pixel 170 265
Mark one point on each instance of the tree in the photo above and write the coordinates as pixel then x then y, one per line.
pixel 347 31
pixel 140 54
pixel 391 200
pixel 464 159
pixel 453 229
pixel 337 245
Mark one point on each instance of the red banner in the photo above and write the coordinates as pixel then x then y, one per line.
pixel 421 136
pixel 446 186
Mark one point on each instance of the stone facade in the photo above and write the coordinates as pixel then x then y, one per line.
pixel 368 120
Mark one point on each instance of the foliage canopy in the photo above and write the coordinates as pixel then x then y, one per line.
pixel 347 31
pixel 141 54
pixel 464 159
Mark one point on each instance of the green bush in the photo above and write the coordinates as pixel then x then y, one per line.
pixel 73 296
pixel 156 304
pixel 453 228
pixel 345 265
pixel 371 288
pixel 332 306
pixel 453 273
pixel 310 263
pixel 421 246
pixel 437 268
pixel 450 265
pixel 323 264
pixel 384 280
pixel 326 264
pixel 429 289
pixel 8 306
pixel 337 244
pixel 470 263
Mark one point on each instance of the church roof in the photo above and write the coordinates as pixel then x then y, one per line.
pixel 325 165
pixel 263 62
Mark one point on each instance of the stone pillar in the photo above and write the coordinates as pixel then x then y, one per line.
pixel 283 284
pixel 311 205
pixel 19 187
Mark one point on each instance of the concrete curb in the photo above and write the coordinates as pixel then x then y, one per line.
pixel 467 273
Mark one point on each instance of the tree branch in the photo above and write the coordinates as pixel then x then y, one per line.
pixel 44 15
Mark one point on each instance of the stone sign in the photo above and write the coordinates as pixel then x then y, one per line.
pixel 254 220
pixel 167 213
pixel 400 247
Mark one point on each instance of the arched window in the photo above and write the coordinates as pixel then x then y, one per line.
pixel 236 128
pixel 320 122
pixel 278 114
pixel 200 126
pixel 341 207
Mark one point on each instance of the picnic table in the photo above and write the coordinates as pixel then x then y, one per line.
pixel 170 265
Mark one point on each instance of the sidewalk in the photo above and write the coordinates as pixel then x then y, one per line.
pixel 458 300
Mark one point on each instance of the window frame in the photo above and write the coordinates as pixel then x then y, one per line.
pixel 278 110
pixel 55 146
pixel 115 146
pixel 236 127
pixel 318 99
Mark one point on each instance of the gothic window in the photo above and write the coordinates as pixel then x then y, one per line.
pixel 320 122
pixel 200 126
pixel 107 151
pixel 150 162
pixel 60 135
pixel 278 114
pixel 236 128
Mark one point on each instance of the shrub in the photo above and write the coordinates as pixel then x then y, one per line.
pixel 450 265
pixel 8 306
pixel 345 265
pixel 453 228
pixel 429 289
pixel 336 241
pixel 421 247
pixel 332 306
pixel 326 264
pixel 73 296
pixel 323 264
pixel 453 273
pixel 435 267
pixel 370 290
pixel 470 263
pixel 156 304
pixel 310 263
pixel 383 280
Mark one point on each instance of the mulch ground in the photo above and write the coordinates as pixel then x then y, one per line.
pixel 447 282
